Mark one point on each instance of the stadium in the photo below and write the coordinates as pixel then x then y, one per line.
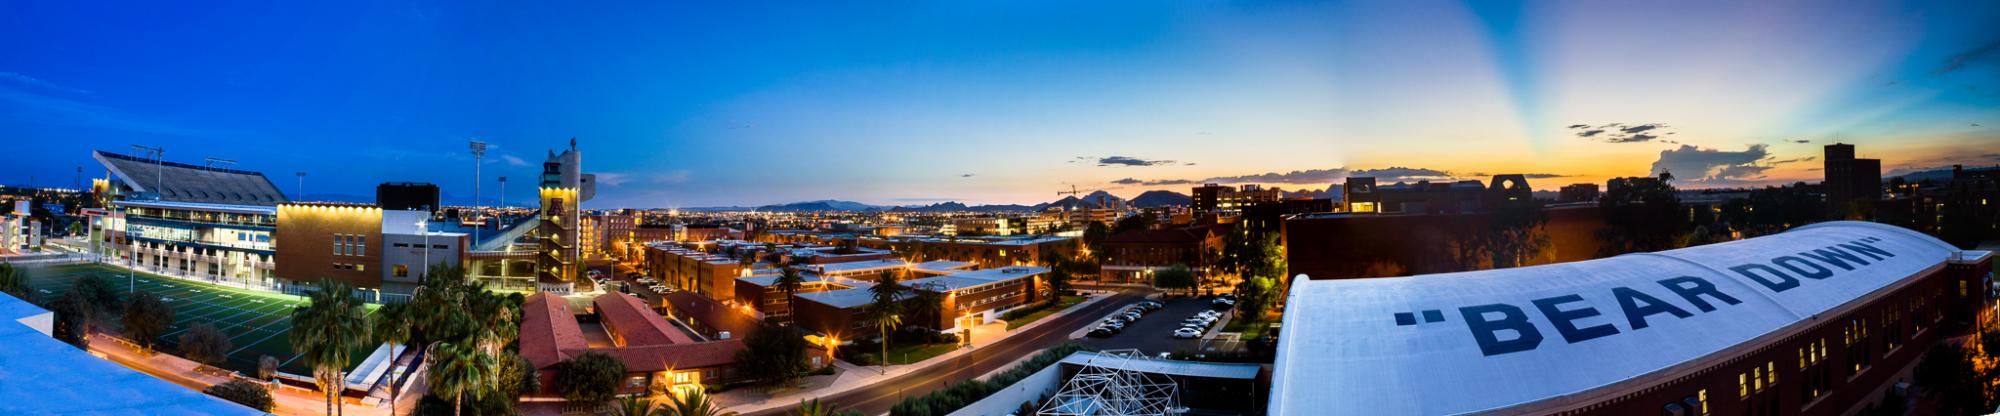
pixel 1820 320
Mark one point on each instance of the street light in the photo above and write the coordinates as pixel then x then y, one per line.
pixel 423 226
pixel 478 158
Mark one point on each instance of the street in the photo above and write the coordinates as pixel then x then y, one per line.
pixel 878 398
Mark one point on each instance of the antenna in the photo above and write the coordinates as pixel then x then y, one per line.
pixel 212 160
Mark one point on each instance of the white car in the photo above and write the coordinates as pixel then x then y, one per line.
pixel 1186 333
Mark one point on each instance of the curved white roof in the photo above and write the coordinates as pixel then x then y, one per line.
pixel 1413 345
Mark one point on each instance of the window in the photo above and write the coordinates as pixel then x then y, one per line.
pixel 1743 385
pixel 1701 397
pixel 400 270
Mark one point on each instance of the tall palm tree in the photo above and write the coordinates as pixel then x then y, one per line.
pixel 326 332
pixel 695 403
pixel 886 319
pixel 392 326
pixel 458 370
pixel 789 282
pixel 887 310
pixel 927 306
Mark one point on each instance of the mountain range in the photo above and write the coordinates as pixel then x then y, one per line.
pixel 1149 199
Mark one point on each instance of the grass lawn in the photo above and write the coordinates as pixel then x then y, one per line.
pixel 905 354
pixel 256 322
pixel 1065 303
pixel 1250 330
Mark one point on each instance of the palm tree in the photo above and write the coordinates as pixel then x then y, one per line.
pixel 458 370
pixel 695 403
pixel 327 331
pixel 789 282
pixel 392 326
pixel 815 408
pixel 887 310
pixel 928 304
pixel 886 319
pixel 639 406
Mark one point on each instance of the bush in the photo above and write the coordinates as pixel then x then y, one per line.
pixel 589 378
pixel 243 393
pixel 205 344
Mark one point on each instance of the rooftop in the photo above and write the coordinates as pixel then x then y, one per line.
pixel 846 298
pixel 978 277
pixel 861 266
pixel 40 375
pixel 630 318
pixel 548 328
pixel 1702 308
pixel 942 266
pixel 1176 368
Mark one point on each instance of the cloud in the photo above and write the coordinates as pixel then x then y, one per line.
pixel 968 175
pixel 1801 141
pixel 38 83
pixel 21 105
pixel 1960 60
pixel 673 176
pixel 1621 132
pixel 1309 176
pixel 513 160
pixel 1130 161
pixel 1545 175
pixel 1991 156
pixel 613 178
pixel 1697 165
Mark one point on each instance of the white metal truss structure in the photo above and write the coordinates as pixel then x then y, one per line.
pixel 1108 389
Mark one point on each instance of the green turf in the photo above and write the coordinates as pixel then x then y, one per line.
pixel 905 354
pixel 255 321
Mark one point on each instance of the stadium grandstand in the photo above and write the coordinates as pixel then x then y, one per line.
pixel 180 182
pixel 1820 320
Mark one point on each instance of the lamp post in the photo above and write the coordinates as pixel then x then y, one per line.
pixel 503 199
pixel 423 226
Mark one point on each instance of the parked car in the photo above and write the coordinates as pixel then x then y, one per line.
pixel 1222 303
pixel 1101 332
pixel 1185 333
pixel 1114 324
pixel 1132 316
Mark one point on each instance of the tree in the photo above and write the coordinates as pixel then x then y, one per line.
pixel 146 317
pixel 695 403
pixel 1176 277
pixel 591 377
pixel 1644 215
pixel 926 303
pixel 775 354
pixel 14 281
pixel 635 405
pixel 267 367
pixel 516 377
pixel 789 282
pixel 1255 296
pixel 887 310
pixel 326 331
pixel 392 326
pixel 98 294
pixel 75 319
pixel 1058 283
pixel 1093 236
pixel 1946 372
pixel 459 370
pixel 244 393
pixel 205 344
pixel 1514 234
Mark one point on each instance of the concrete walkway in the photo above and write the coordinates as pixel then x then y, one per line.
pixel 289 400
pixel 850 376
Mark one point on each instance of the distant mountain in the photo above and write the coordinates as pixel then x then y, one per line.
pixel 1093 200
pixel 824 205
pixel 955 206
pixel 1156 199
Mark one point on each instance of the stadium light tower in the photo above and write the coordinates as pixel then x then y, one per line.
pixel 478 158
pixel 503 200
pixel 302 186
pixel 159 165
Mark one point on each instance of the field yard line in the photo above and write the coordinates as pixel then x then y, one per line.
pixel 216 317
pixel 261 340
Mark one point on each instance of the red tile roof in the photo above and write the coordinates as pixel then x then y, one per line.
pixel 676 356
pixel 629 318
pixel 715 315
pixel 548 329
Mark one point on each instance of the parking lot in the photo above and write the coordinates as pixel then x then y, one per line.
pixel 1153 333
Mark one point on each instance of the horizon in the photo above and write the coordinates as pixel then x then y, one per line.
pixel 987 104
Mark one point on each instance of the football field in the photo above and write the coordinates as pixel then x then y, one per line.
pixel 256 322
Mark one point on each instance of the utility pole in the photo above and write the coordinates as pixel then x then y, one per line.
pixel 478 158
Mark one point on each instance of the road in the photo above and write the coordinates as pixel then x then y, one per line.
pixel 878 398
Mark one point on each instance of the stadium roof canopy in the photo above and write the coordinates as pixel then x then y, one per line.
pixel 1545 338
pixel 189 183
pixel 40 375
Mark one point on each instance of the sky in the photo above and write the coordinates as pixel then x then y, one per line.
pixel 903 103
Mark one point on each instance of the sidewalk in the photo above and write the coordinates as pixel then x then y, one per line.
pixel 289 400
pixel 850 376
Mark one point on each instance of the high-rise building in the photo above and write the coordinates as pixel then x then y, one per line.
pixel 407 196
pixel 1850 181
pixel 1208 196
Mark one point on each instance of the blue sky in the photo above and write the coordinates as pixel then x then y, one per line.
pixel 998 102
